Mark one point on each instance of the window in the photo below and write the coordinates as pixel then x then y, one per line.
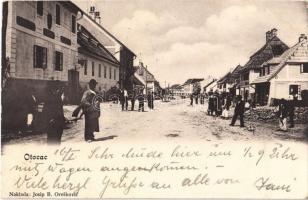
pixel 73 24
pixel 93 73
pixel 110 73
pixel 115 74
pixel 86 67
pixel 39 8
pixel 246 76
pixel 58 61
pixel 105 72
pixel 293 89
pixel 39 57
pixel 141 72
pixel 99 70
pixel 304 68
pixel 58 15
pixel 268 70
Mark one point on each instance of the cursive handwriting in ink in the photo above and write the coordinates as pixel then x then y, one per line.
pixel 27 168
pixel 29 182
pixel 267 184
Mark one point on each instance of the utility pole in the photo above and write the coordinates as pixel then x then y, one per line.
pixel 146 80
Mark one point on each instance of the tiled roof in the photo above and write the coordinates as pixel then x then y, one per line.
pixel 90 45
pixel 296 54
pixel 193 80
pixel 272 48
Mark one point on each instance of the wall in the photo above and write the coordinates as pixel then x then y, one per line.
pixel 21 41
pixel 104 83
pixel 289 75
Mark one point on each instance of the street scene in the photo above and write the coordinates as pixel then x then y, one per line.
pixel 85 72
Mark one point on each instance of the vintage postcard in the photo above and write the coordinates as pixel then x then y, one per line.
pixel 163 99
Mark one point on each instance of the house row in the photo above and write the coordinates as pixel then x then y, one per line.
pixel 144 80
pixel 275 71
pixel 49 41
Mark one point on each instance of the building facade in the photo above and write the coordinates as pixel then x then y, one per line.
pixel 273 47
pixel 40 48
pixel 285 76
pixel 96 62
pixel 122 53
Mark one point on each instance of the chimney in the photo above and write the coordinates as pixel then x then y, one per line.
pixel 268 36
pixel 302 37
pixel 271 34
pixel 274 32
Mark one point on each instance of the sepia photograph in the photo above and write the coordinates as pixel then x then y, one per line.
pixel 154 99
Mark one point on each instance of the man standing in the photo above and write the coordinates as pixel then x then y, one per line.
pixel 91 111
pixel 239 111
pixel 53 111
pixel 133 96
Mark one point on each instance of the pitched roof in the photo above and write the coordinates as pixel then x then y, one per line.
pixel 108 33
pixel 176 86
pixel 147 75
pixel 236 72
pixel 274 47
pixel 91 46
pixel 224 78
pixel 193 80
pixel 296 54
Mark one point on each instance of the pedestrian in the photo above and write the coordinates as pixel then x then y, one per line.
pixel 141 102
pixel 211 104
pixel 53 111
pixel 126 99
pixel 282 114
pixel 291 106
pixel 202 96
pixel 133 96
pixel 151 100
pixel 191 99
pixel 91 111
pixel 239 111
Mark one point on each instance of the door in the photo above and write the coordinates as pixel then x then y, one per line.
pixel 73 87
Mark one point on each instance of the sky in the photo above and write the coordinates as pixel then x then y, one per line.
pixel 182 39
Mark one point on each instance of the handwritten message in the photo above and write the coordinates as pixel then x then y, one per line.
pixel 115 170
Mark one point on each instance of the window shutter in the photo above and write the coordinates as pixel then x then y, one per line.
pixel 61 61
pixel 44 56
pixel 301 68
pixel 34 56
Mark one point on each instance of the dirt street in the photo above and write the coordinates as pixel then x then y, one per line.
pixel 175 120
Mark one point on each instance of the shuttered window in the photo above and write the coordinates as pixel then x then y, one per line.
pixel 93 69
pixel 86 67
pixel 105 72
pixel 58 61
pixel 304 68
pixel 73 24
pixel 110 73
pixel 115 74
pixel 58 14
pixel 39 8
pixel 39 57
pixel 99 70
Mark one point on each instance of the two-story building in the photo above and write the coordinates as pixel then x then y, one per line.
pixel 192 86
pixel 146 79
pixel 40 40
pixel 122 53
pixel 96 62
pixel 284 76
pixel 273 47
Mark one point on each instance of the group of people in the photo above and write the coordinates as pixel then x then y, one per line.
pixel 219 105
pixel 135 95
pixel 286 109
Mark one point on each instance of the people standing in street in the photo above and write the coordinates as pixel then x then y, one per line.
pixel 239 111
pixel 283 114
pixel 150 98
pixel 133 98
pixel 191 99
pixel 141 102
pixel 91 111
pixel 126 99
pixel 211 104
pixel 291 106
pixel 53 111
